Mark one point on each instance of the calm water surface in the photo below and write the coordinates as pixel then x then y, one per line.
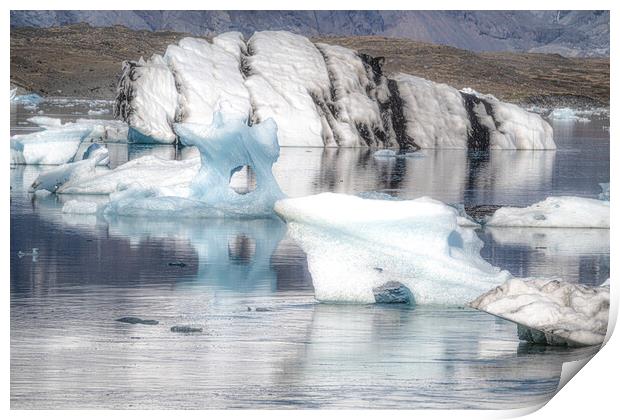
pixel 67 350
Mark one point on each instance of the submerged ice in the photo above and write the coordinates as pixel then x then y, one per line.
pixel 356 246
pixel 318 95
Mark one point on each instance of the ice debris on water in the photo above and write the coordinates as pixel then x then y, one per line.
pixel 564 212
pixel 550 311
pixel 34 253
pixel 136 320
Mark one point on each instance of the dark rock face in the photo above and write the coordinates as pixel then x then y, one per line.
pixel 136 320
pixel 393 292
pixel 185 329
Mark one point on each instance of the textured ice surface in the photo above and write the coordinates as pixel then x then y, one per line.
pixel 147 100
pixel 569 313
pixel 208 78
pixel 567 114
pixel 565 212
pixel 318 95
pixel 226 146
pixel 53 179
pixel 355 245
pixel 58 143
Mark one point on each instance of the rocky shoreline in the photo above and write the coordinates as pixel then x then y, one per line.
pixel 85 62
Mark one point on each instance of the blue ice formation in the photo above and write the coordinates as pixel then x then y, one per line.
pixel 226 146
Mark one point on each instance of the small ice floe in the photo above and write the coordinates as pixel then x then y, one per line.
pixel 389 154
pixel 550 311
pixel 58 143
pixel 567 114
pixel 30 99
pixel 561 212
pixel 98 111
pixel 79 207
pixel 604 195
pixel 53 179
pixel 358 249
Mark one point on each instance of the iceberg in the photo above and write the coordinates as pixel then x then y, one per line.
pixel 356 245
pixel 550 311
pixel 319 95
pixel 53 179
pixel 30 99
pixel 559 212
pixel 226 146
pixel 567 114
pixel 59 143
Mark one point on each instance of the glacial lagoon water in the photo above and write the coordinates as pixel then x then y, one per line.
pixel 265 342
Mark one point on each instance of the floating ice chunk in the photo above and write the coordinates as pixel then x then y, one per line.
pixel 355 245
pixel 58 143
pixel 144 172
pixel 567 114
pixel 53 179
pixel 98 111
pixel 604 195
pixel 52 146
pixel 30 99
pixel 385 153
pixel 106 130
pixel 45 122
pixel 565 212
pixel 79 207
pixel 225 146
pixel 147 100
pixel 551 311
pixel 388 154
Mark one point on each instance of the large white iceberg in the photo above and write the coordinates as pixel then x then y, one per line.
pixel 564 212
pixel 356 246
pixel 318 95
pixel 551 311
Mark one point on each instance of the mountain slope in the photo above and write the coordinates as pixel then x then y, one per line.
pixel 570 33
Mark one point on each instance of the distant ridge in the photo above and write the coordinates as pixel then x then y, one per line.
pixel 569 33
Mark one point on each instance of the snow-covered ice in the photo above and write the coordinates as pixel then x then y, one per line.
pixel 355 245
pixel 318 95
pixel 55 178
pixel 58 143
pixel 559 212
pixel 551 311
